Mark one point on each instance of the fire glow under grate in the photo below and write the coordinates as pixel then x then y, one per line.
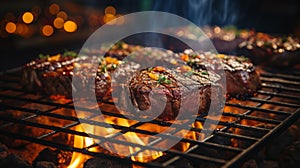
pixel 245 126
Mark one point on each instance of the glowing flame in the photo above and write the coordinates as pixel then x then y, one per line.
pixel 135 153
pixel 80 142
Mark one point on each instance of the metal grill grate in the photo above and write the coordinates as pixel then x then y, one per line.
pixel 244 128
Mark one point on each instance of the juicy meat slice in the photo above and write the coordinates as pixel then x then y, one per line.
pixel 264 49
pixel 53 75
pixel 171 91
pixel 241 78
pixel 50 75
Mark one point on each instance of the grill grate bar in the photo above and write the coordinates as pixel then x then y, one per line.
pixel 55 132
pixel 254 147
pixel 278 94
pixel 232 124
pixel 254 99
pixel 282 81
pixel 284 76
pixel 38 113
pixel 259 109
pixel 248 117
pixel 280 87
pixel 236 136
pixel 220 146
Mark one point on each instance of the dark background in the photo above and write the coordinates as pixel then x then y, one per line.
pixel 270 16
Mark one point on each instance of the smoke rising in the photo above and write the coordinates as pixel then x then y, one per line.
pixel 202 12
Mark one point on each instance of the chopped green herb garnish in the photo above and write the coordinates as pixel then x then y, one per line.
pixel 168 81
pixel 163 80
pixel 194 55
pixel 70 53
pixel 119 45
pixel 150 69
pixel 201 73
pixel 267 44
pixel 41 56
pixel 242 59
pixel 103 68
pixel 204 73
pixel 189 73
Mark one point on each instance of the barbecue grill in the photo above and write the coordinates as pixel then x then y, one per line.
pixel 245 127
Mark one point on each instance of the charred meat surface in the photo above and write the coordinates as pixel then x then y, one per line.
pixel 53 75
pixel 271 50
pixel 241 78
pixel 49 74
pixel 178 89
pixel 227 39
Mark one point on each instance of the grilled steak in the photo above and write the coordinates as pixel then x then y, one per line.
pixel 53 75
pixel 270 50
pixel 175 90
pixel 241 77
pixel 45 74
pixel 225 40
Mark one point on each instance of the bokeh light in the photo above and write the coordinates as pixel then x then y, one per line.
pixel 47 30
pixel 27 17
pixel 54 9
pixel 10 27
pixel 110 10
pixel 108 19
pixel 58 23
pixel 62 15
pixel 70 26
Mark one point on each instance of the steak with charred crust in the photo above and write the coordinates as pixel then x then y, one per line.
pixel 241 77
pixel 183 90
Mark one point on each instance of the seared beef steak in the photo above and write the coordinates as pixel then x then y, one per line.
pixel 270 50
pixel 49 74
pixel 53 75
pixel 241 77
pixel 181 89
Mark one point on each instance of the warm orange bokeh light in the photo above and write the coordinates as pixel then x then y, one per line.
pixel 70 26
pixel 54 9
pixel 110 10
pixel 21 29
pixel 27 17
pixel 58 23
pixel 47 30
pixel 10 27
pixel 108 19
pixel 62 15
